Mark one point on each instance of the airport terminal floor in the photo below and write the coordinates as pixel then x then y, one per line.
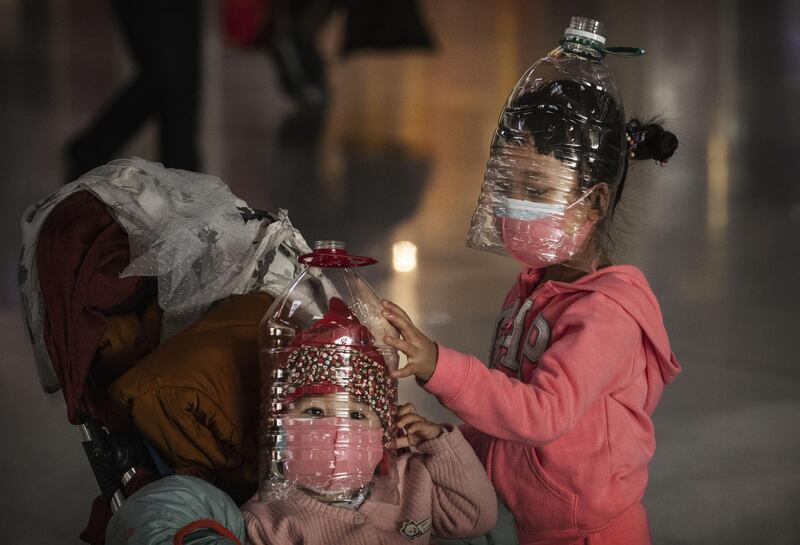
pixel 398 155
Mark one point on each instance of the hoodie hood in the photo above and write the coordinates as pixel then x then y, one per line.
pixel 627 286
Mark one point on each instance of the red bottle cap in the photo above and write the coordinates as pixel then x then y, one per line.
pixel 333 254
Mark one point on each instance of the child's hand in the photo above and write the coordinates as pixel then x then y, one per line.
pixel 417 428
pixel 421 351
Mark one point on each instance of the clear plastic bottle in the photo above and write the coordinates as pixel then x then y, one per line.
pixel 328 401
pixel 562 128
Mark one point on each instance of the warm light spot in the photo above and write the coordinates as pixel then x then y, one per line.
pixel 404 256
pixel 718 181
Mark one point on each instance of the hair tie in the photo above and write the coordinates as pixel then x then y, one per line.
pixel 634 135
pixel 660 144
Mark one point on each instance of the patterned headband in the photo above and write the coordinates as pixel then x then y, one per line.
pixel 315 369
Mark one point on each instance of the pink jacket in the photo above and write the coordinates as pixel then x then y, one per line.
pixel 443 491
pixel 561 418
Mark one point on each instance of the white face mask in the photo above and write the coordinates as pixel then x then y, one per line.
pixel 535 233
pixel 519 209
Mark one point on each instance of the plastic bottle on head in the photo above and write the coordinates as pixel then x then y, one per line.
pixel 561 133
pixel 328 402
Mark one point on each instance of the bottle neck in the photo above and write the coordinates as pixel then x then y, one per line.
pixel 330 245
pixel 583 47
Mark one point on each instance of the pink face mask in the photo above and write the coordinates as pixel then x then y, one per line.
pixel 536 234
pixel 330 454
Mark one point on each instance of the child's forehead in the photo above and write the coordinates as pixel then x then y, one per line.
pixel 339 398
pixel 527 166
pixel 526 156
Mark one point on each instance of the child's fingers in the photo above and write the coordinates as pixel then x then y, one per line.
pixel 394 309
pixel 402 345
pixel 398 317
pixel 409 370
pixel 401 442
pixel 406 328
pixel 406 408
pixel 423 428
pixel 406 420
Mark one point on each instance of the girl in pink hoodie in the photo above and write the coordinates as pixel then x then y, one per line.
pixel 560 416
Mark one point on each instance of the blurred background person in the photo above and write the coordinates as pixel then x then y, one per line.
pixel 291 30
pixel 164 41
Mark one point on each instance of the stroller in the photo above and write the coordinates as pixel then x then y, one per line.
pixel 142 290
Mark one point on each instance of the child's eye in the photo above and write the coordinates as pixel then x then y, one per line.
pixel 357 415
pixel 533 192
pixel 315 411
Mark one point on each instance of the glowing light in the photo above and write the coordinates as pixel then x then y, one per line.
pixel 718 181
pixel 404 256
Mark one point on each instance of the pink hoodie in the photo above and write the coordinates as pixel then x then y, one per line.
pixel 561 421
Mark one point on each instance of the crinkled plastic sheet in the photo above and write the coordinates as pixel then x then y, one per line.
pixel 186 229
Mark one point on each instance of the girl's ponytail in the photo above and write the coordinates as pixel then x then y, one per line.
pixel 649 141
pixel 645 141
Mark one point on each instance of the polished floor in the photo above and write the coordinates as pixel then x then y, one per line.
pixel 399 156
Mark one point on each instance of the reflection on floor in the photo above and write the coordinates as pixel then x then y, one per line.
pixel 399 157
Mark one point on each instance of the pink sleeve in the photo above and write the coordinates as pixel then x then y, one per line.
pixel 592 350
pixel 471 435
pixel 463 501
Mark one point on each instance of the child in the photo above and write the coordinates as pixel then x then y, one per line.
pixel 561 416
pixel 336 435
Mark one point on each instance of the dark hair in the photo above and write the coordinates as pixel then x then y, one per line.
pixel 584 126
pixel 648 140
